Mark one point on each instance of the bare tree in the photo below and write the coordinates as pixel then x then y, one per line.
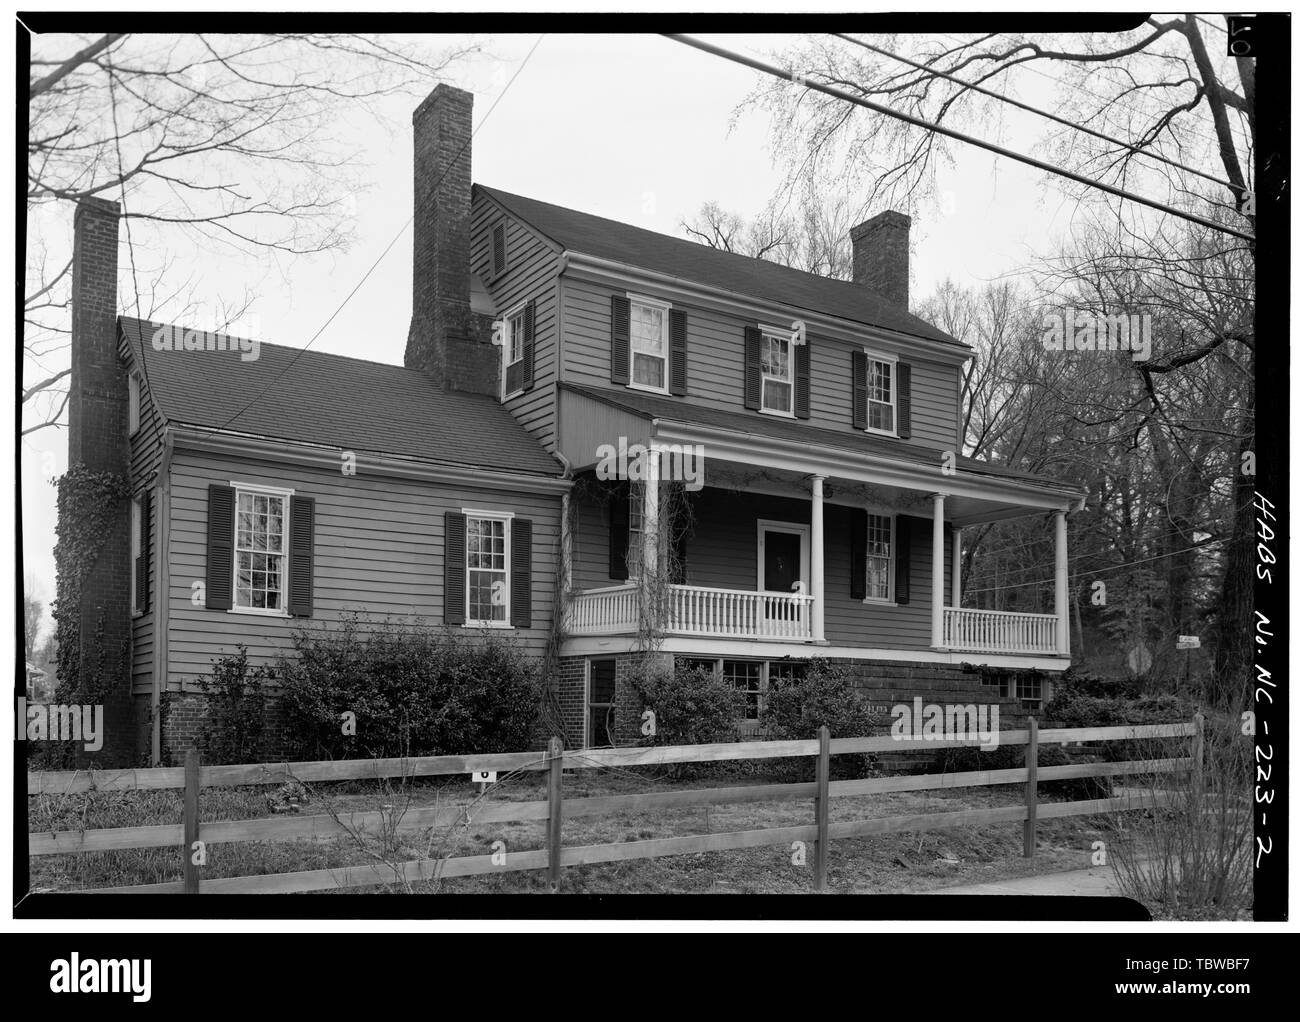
pixel 222 141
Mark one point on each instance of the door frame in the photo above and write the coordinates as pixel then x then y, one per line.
pixel 803 531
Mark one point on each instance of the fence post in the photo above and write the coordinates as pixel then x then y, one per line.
pixel 823 807
pixel 1031 789
pixel 191 820
pixel 556 756
pixel 1198 754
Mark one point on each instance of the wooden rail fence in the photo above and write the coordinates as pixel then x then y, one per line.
pixel 193 777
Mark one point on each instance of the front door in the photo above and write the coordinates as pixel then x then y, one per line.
pixel 782 567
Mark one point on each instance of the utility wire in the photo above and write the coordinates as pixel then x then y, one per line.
pixel 1035 110
pixel 1098 571
pixel 939 129
pixel 417 209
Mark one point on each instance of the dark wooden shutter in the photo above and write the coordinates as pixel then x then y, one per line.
pixel 142 558
pixel 499 248
pixel 526 368
pixel 904 384
pixel 803 380
pixel 902 559
pixel 453 568
pixel 221 547
pixel 753 368
pixel 618 530
pixel 857 554
pixel 677 352
pixel 302 559
pixel 859 384
pixel 620 339
pixel 521 573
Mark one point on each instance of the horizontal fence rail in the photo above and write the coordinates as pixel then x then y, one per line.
pixel 555 855
pixel 998 631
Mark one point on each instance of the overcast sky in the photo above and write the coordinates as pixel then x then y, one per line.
pixel 635 128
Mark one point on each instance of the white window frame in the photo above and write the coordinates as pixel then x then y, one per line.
pixel 892 571
pixel 497 516
pixel 892 362
pixel 137 513
pixel 507 343
pixel 665 307
pixel 133 403
pixel 779 335
pixel 266 491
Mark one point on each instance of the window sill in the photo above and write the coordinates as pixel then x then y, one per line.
pixel 513 394
pixel 503 625
pixel 882 432
pixel 869 601
pixel 777 412
pixel 648 389
pixel 257 612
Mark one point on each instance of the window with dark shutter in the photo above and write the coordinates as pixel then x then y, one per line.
pixel 859 384
pixel 453 569
pixel 857 553
pixel 677 353
pixel 618 530
pixel 904 400
pixel 142 564
pixel 521 573
pixel 620 338
pixel 902 559
pixel 221 547
pixel 302 530
pixel 753 368
pixel 803 381
pixel 499 248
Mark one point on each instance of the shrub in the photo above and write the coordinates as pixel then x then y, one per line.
pixel 1009 757
pixel 798 708
pixel 692 706
pixel 414 691
pixel 234 729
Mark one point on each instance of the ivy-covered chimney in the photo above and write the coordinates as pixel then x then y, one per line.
pixel 446 341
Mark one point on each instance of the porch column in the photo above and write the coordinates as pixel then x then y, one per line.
pixel 936 569
pixel 650 516
pixel 956 567
pixel 818 567
pixel 1061 604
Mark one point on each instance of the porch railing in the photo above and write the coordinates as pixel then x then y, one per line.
pixel 695 610
pixel 998 631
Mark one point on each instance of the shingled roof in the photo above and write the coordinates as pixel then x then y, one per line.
pixel 652 406
pixel 337 401
pixel 703 264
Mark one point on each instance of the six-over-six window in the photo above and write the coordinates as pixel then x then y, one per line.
pixel 778 373
pixel 880 394
pixel 487 569
pixel 649 343
pixel 880 557
pixel 261 542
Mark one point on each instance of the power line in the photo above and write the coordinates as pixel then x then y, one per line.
pixel 939 129
pixel 416 210
pixel 973 87
pixel 1098 571
pixel 981 551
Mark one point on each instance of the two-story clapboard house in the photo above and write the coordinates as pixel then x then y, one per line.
pixel 802 492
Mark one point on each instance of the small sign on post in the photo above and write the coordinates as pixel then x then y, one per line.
pixel 484 777
pixel 1189 642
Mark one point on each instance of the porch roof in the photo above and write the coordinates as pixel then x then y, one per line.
pixel 840 454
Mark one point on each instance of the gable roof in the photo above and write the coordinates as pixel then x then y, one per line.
pixel 689 260
pixel 336 401
pixel 653 406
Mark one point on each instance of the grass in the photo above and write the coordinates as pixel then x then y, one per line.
pixel 889 863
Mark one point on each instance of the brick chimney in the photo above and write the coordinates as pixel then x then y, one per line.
pixel 880 255
pixel 97 439
pixel 446 341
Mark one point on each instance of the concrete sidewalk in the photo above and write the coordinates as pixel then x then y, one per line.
pixel 1098 881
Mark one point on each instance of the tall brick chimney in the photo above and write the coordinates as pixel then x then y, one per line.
pixel 880 255
pixel 446 341
pixel 97 440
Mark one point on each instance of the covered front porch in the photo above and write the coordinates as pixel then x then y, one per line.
pixel 796 545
